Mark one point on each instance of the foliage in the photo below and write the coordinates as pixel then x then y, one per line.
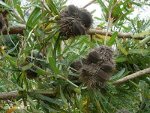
pixel 61 94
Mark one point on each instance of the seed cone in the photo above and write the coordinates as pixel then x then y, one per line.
pixel 31 73
pixel 74 22
pixel 100 55
pixel 97 68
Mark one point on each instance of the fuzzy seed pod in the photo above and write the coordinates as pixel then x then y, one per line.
pixel 72 11
pixel 77 65
pixel 74 22
pixel 100 55
pixel 97 68
pixel 93 76
pixel 85 18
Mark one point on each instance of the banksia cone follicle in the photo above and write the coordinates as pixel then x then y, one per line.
pixel 74 21
pixel 97 68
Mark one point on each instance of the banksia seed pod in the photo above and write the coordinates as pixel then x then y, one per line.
pixel 74 22
pixel 97 68
pixel 85 18
pixel 100 55
pixel 35 55
pixel 72 11
pixel 71 27
pixel 93 76
pixel 77 65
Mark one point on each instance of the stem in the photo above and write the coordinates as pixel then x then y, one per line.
pixel 132 76
pixel 19 30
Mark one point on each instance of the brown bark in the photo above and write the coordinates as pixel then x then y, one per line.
pixel 120 35
pixel 15 94
pixel 14 30
pixel 19 30
pixel 132 76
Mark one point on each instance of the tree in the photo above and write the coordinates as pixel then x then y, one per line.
pixel 36 58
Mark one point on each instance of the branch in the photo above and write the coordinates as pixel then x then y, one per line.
pixel 14 30
pixel 19 30
pixel 89 3
pixel 120 35
pixel 9 95
pixel 132 76
pixel 15 94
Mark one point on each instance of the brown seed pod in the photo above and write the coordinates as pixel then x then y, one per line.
pixel 71 27
pixel 97 68
pixel 100 55
pixel 72 11
pixel 93 76
pixel 74 22
pixel 34 58
pixel 77 65
pixel 86 18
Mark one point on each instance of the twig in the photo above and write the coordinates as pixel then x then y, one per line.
pixel 14 30
pixel 19 30
pixel 89 3
pixel 9 95
pixel 15 94
pixel 132 76
pixel 120 35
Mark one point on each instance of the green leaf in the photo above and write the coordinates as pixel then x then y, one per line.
pixel 5 5
pixel 63 97
pixel 52 7
pixel 139 51
pixel 28 66
pixel 112 39
pixel 34 18
pixel 120 59
pixel 53 66
pixel 121 48
pixel 118 75
pixel 19 11
pixel 103 6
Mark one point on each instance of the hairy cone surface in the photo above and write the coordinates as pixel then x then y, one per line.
pixel 97 68
pixel 74 21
